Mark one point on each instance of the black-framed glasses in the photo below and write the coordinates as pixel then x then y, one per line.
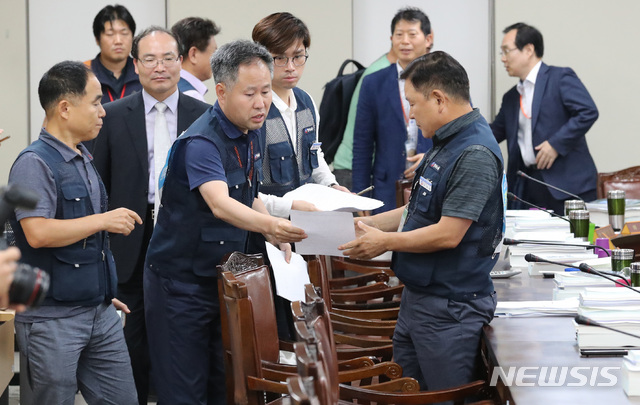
pixel 505 52
pixel 150 62
pixel 298 60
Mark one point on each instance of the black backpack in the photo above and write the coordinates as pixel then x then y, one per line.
pixel 334 108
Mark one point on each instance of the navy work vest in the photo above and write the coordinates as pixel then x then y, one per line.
pixel 84 272
pixel 461 273
pixel 184 85
pixel 283 169
pixel 188 240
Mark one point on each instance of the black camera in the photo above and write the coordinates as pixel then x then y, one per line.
pixel 30 285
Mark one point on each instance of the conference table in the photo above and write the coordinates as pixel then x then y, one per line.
pixel 529 344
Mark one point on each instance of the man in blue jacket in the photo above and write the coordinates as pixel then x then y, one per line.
pixel 386 141
pixel 544 119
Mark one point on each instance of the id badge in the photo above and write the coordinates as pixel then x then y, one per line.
pixel 316 145
pixel 425 183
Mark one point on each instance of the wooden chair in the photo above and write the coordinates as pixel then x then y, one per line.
pixel 626 179
pixel 315 336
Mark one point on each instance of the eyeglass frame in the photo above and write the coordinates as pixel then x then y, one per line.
pixel 156 61
pixel 505 52
pixel 292 59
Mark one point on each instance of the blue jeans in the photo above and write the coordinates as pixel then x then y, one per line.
pixel 85 351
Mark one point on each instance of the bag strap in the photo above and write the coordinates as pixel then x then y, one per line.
pixel 345 63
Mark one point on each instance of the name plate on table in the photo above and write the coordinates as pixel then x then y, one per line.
pixel 605 232
pixel 630 228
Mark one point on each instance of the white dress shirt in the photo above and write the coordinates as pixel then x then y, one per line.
pixel 200 88
pixel 171 114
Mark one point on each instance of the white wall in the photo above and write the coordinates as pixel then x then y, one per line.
pixel 329 23
pixel 69 36
pixel 599 40
pixel 453 22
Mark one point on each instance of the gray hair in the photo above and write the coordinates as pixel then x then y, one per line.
pixel 227 59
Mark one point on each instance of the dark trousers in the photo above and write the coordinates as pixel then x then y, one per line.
pixel 135 331
pixel 437 340
pixel 185 340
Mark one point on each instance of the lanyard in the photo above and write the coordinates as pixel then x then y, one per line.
pixel 250 163
pixel 121 94
pixel 522 109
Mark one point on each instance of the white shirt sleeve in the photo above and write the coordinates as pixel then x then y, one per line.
pixel 322 174
pixel 276 206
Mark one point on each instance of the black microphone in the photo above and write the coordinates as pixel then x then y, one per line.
pixel 583 320
pixel 508 242
pixel 514 197
pixel 583 267
pixel 16 196
pixel 526 176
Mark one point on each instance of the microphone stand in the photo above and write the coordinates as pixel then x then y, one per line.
pixel 583 320
pixel 509 241
pixel 583 267
pixel 526 176
pixel 514 197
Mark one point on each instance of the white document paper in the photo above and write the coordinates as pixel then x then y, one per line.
pixel 329 199
pixel 326 230
pixel 290 277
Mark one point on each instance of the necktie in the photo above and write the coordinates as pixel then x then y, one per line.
pixel 161 145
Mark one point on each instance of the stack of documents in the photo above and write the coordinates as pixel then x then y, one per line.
pixel 570 259
pixel 571 284
pixel 537 308
pixel 614 307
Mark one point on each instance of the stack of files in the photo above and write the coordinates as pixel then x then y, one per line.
pixel 599 214
pixel 536 308
pixel 516 253
pixel 609 297
pixel 625 318
pixel 631 373
pixel 571 259
pixel 514 215
pixel 571 284
pixel 545 225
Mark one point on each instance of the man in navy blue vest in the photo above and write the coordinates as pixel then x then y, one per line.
pixel 197 37
pixel 75 339
pixel 209 204
pixel 447 234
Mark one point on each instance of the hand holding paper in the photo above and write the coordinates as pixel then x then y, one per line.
pixel 372 243
pixel 291 277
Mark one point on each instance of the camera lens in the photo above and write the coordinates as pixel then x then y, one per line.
pixel 29 286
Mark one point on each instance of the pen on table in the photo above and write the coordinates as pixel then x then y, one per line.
pixel 366 190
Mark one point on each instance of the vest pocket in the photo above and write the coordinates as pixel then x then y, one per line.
pixel 75 200
pixel 75 275
pixel 281 162
pixel 216 242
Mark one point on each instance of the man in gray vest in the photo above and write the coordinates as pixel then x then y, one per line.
pixel 75 339
pixel 444 240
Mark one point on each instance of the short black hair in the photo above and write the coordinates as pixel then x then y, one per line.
pixel 149 31
pixel 64 79
pixel 412 14
pixel 527 34
pixel 194 31
pixel 438 70
pixel 111 14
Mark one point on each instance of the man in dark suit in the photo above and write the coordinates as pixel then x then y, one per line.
pixel 124 154
pixel 544 119
pixel 385 140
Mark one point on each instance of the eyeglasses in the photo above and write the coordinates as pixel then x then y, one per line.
pixel 505 52
pixel 298 60
pixel 151 62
